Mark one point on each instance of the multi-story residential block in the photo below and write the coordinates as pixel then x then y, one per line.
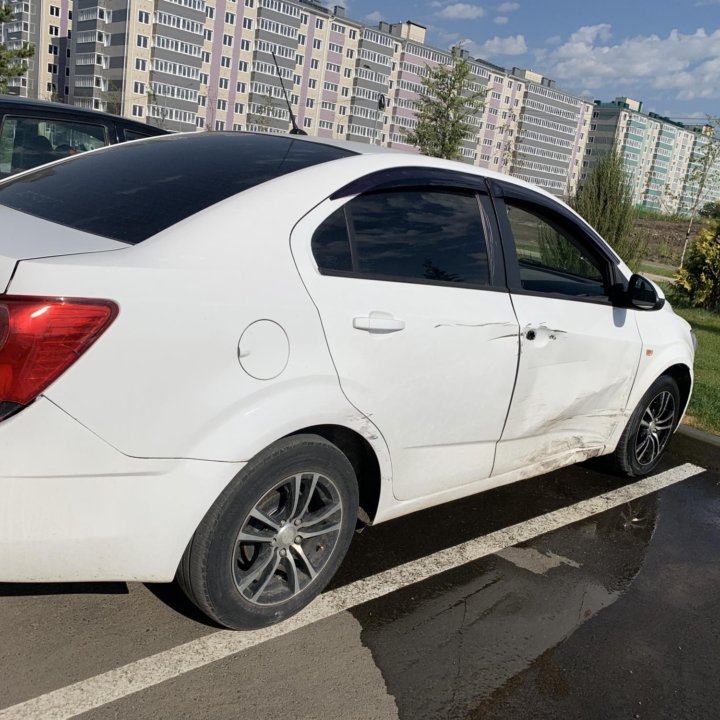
pixel 241 64
pixel 660 155
pixel 139 58
pixel 553 128
pixel 46 25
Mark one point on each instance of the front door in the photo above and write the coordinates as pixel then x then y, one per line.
pixel 579 354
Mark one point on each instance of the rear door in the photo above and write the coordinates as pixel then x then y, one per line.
pixel 579 354
pixel 409 286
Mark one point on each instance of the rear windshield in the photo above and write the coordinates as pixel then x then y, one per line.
pixel 130 192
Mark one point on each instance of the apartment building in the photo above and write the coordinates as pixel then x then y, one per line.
pixel 46 25
pixel 657 152
pixel 229 65
pixel 553 129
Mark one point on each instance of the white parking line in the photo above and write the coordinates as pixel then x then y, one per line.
pixel 87 694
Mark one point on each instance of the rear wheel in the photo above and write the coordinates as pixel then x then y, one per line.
pixel 650 428
pixel 275 537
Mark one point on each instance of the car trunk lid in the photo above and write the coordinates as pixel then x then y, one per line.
pixel 25 237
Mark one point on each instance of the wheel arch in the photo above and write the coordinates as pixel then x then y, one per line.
pixel 681 374
pixel 363 459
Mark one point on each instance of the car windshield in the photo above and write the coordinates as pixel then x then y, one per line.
pixel 131 192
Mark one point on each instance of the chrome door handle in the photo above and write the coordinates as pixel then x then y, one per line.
pixel 378 323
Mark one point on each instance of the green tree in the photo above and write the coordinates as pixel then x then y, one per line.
pixel 444 107
pixel 703 173
pixel 698 282
pixel 605 200
pixel 12 62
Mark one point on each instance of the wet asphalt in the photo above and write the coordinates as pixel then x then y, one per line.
pixel 614 616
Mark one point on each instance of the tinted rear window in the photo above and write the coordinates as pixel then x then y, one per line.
pixel 131 192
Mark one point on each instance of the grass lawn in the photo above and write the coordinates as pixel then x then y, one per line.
pixel 704 410
pixel 657 269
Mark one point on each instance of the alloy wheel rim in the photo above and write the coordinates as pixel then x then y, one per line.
pixel 655 428
pixel 287 539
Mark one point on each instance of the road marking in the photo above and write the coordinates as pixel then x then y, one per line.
pixel 115 684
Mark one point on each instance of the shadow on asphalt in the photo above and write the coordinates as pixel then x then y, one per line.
pixel 36 589
pixel 171 595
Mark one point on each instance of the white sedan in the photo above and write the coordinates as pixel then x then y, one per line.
pixel 220 352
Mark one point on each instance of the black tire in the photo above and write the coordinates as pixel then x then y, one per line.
pixel 275 537
pixel 649 429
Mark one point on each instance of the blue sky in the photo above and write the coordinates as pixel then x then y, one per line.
pixel 665 53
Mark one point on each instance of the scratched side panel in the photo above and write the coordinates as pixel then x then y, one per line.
pixel 573 382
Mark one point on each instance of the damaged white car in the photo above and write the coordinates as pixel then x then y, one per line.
pixel 219 352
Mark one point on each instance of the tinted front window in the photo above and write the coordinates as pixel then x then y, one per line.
pixel 418 234
pixel 130 192
pixel 551 260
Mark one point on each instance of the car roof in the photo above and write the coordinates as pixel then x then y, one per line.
pixel 150 184
pixel 17 103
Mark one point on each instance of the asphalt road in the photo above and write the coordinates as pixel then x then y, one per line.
pixel 443 614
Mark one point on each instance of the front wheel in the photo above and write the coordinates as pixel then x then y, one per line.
pixel 649 429
pixel 275 537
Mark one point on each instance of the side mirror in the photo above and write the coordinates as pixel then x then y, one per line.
pixel 641 294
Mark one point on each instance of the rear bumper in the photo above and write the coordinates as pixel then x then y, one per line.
pixel 72 508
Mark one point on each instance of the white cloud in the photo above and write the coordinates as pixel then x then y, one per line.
pixel 553 40
pixel 513 45
pixel 684 66
pixel 501 20
pixel 507 7
pixel 461 11
pixel 374 17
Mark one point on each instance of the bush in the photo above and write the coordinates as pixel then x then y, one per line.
pixel 605 200
pixel 698 282
pixel 710 210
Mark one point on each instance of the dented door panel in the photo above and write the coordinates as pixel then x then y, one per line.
pixel 578 361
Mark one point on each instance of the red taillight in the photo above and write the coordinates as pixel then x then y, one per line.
pixel 40 338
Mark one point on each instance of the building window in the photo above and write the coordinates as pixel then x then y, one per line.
pixel 139 88
pixel 144 17
pixel 228 40
pixel 205 56
pixel 312 83
pixel 54 30
pixel 247 23
pixel 207 34
pixel 242 66
pixel 317 44
pixel 54 11
pixel 222 104
pixel 240 87
pixel 319 23
pixel 140 64
pixel 245 45
pixel 239 108
pixel 220 125
pixel 310 102
pixel 353 34
pixel 230 18
pixel 307 122
pixel 314 64
pixel 249 3
pixel 225 61
pixel 349 53
pixel 209 11
pixel 142 41
pixel 223 83
pixel 200 122
pixel 301 39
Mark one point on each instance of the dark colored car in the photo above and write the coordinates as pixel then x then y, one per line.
pixel 35 132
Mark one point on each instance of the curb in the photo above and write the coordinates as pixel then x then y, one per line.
pixel 701 435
